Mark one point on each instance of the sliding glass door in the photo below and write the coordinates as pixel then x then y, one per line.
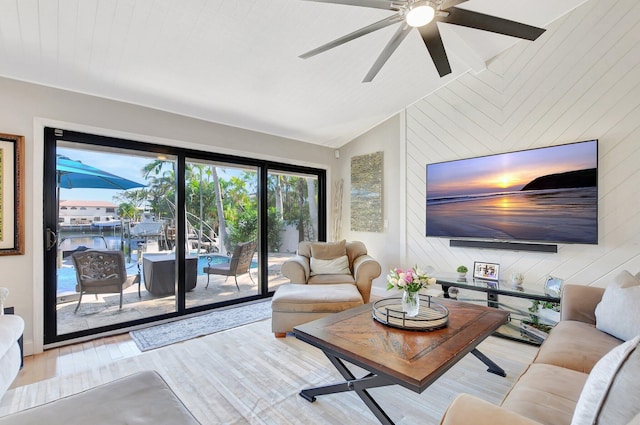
pixel 293 216
pixel 222 230
pixel 194 230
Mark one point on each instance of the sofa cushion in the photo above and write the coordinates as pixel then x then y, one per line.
pixel 575 345
pixel 546 393
pixel 596 390
pixel 618 313
pixel 339 265
pixel 467 409
pixel 295 298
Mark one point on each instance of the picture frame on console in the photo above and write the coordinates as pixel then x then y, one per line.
pixel 553 286
pixel 486 271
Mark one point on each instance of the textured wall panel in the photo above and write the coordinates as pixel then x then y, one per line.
pixel 579 81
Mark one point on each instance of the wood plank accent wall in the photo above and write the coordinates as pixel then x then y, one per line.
pixel 579 81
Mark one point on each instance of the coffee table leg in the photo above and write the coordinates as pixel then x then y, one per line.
pixel 493 368
pixel 352 384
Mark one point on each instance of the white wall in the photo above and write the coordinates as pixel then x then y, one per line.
pixel 26 108
pixel 384 246
pixel 579 81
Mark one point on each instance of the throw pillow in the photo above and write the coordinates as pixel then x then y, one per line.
pixel 618 313
pixel 338 265
pixel 328 250
pixel 621 404
pixel 596 388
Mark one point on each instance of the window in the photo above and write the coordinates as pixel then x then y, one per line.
pixel 182 216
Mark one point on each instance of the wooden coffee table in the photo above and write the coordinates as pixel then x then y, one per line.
pixel 412 359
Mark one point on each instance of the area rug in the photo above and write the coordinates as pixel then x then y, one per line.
pixel 193 327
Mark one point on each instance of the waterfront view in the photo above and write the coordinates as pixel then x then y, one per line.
pixel 551 215
pixel 125 201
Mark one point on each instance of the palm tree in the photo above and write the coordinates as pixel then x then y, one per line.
pixel 313 209
pixel 279 206
pixel 222 225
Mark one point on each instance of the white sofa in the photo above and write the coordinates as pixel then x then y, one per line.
pixel 11 329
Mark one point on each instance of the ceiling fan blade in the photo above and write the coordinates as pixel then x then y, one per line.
pixel 391 46
pixel 358 33
pixel 468 18
pixel 376 4
pixel 432 39
pixel 450 3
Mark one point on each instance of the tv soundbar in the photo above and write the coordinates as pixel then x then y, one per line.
pixel 512 246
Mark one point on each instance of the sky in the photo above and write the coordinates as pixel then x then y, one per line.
pixel 509 171
pixel 127 166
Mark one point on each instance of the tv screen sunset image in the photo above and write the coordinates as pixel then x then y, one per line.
pixel 546 194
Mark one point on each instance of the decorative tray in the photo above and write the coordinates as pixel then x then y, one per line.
pixel 431 315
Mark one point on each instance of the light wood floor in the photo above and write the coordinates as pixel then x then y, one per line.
pixel 246 376
pixel 75 358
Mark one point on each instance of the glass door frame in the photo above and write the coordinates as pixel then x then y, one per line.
pixel 52 135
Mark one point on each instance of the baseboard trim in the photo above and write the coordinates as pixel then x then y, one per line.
pixel 512 246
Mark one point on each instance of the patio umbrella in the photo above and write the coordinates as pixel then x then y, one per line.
pixel 74 175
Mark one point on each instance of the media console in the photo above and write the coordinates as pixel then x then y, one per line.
pixel 494 291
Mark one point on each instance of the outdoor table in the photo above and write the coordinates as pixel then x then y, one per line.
pixel 160 273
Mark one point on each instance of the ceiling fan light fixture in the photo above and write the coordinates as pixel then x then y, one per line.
pixel 420 13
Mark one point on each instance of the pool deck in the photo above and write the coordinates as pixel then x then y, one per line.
pixel 103 310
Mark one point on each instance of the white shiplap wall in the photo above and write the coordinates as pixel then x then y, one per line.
pixel 579 81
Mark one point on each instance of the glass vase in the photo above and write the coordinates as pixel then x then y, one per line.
pixel 410 303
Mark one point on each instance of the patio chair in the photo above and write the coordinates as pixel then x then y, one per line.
pixel 240 263
pixel 102 272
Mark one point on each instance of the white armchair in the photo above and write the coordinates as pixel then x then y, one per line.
pixel 325 278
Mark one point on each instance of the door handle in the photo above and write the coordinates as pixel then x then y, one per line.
pixel 51 239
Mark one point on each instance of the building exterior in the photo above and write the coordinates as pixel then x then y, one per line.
pixel 86 213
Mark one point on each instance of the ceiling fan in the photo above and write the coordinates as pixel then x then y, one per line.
pixel 423 15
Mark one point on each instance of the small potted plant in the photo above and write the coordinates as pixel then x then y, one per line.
pixel 462 271
pixel 536 328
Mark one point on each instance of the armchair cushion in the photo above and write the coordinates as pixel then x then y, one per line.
pixel 618 314
pixel 338 265
pixel 328 250
pixel 323 279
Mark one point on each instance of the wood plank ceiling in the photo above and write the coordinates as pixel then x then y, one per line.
pixel 236 62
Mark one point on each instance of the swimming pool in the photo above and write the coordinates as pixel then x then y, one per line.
pixel 67 273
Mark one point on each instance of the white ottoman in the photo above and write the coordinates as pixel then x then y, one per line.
pixel 297 303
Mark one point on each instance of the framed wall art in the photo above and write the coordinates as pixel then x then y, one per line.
pixel 486 271
pixel 11 194
pixel 366 193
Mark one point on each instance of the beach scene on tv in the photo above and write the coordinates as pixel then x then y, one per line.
pixel 540 195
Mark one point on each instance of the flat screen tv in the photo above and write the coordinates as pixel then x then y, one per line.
pixel 547 195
